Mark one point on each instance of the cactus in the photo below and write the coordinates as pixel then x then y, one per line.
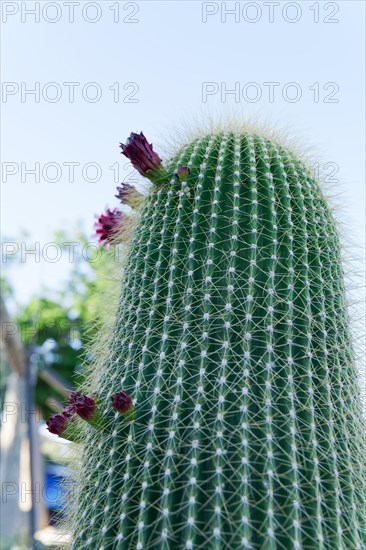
pixel 232 336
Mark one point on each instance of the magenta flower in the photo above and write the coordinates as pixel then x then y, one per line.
pixel 141 153
pixel 128 194
pixel 106 226
pixel 83 406
pixel 182 173
pixel 122 403
pixel 58 423
pixel 86 407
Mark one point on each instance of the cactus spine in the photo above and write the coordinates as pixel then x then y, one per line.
pixel 232 336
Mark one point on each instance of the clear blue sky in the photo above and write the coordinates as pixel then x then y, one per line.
pixel 169 52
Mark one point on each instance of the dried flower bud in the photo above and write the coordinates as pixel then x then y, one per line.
pixel 129 195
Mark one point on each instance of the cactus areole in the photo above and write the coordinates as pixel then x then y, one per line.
pixel 232 338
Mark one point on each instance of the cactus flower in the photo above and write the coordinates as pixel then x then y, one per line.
pixel 83 406
pixel 106 226
pixel 129 195
pixel 122 403
pixel 143 157
pixel 140 153
pixel 58 423
pixel 86 407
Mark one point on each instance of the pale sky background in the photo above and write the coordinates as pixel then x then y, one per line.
pixel 168 52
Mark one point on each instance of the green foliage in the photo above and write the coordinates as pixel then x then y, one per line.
pixel 46 326
pixel 232 337
pixel 58 326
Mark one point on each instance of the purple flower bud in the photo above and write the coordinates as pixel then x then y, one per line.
pixel 182 173
pixel 83 405
pixel 122 403
pixel 141 153
pixel 106 226
pixel 128 194
pixel 57 423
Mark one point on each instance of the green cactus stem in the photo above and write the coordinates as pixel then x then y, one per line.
pixel 232 337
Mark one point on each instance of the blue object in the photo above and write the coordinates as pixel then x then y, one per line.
pixel 54 490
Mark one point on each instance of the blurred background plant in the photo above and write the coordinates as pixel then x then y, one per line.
pixel 50 334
